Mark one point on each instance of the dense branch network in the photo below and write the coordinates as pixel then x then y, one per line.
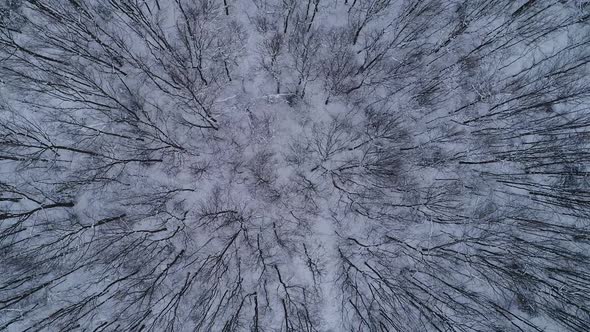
pixel 282 165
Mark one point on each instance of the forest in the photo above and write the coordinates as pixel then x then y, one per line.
pixel 295 165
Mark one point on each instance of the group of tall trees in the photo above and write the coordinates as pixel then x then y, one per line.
pixel 283 165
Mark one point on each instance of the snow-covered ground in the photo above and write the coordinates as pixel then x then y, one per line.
pixel 294 165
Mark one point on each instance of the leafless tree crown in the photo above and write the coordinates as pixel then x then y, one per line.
pixel 295 165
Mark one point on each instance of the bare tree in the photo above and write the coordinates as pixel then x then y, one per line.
pixel 318 165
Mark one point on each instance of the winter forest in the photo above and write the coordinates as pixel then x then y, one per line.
pixel 295 165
